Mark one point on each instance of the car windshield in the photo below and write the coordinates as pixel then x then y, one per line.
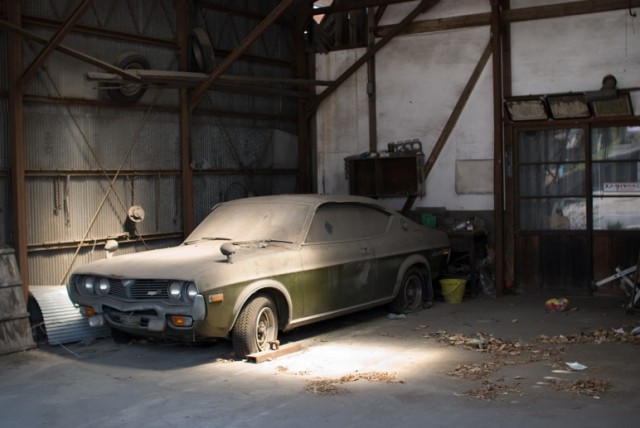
pixel 253 221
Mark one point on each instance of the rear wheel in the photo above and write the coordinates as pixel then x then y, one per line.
pixel 256 326
pixel 412 292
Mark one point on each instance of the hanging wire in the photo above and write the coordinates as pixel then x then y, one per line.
pixel 115 177
pixel 82 134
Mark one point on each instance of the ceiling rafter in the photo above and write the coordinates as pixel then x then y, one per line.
pixel 422 7
pixel 239 50
pixel 353 5
pixel 55 41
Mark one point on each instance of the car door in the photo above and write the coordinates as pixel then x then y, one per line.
pixel 339 265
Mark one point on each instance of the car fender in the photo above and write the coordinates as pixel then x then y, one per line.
pixel 412 260
pixel 254 288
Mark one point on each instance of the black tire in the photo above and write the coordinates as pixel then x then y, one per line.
pixel 120 336
pixel 256 326
pixel 412 293
pixel 130 92
pixel 202 57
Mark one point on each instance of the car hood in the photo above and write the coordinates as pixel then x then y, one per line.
pixel 190 262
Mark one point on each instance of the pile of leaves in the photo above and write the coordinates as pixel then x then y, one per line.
pixel 498 348
pixel 475 371
pixel 491 390
pixel 333 386
pixel 591 387
pixel 503 352
pixel 593 336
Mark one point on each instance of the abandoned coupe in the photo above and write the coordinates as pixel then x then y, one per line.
pixel 261 265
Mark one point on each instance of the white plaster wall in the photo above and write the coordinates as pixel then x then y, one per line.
pixel 576 52
pixel 342 120
pixel 419 78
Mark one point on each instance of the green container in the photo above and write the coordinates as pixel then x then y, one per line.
pixel 428 220
pixel 453 289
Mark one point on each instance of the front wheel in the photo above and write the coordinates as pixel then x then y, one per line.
pixel 412 292
pixel 256 326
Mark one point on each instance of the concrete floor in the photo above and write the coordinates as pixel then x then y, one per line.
pixel 362 370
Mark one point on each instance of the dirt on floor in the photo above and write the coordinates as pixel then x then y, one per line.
pixel 504 361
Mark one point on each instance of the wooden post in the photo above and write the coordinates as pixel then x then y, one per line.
pixel 183 30
pixel 16 146
pixel 498 178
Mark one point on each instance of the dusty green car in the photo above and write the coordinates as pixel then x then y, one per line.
pixel 259 265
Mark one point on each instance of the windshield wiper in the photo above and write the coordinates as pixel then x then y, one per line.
pixel 208 238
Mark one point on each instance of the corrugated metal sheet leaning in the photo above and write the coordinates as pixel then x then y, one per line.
pixel 62 320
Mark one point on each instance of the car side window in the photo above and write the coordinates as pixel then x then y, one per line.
pixel 346 222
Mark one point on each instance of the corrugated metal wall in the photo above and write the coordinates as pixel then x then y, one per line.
pixel 77 140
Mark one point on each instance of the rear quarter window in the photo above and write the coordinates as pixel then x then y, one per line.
pixel 346 222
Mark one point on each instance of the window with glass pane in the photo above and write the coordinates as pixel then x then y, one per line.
pixel 551 179
pixel 615 177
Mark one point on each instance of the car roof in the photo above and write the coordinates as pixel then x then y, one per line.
pixel 313 199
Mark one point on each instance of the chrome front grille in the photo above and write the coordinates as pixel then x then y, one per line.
pixel 140 289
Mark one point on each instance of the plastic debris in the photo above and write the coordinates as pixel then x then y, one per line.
pixel 619 330
pixel 636 331
pixel 576 366
pixel 556 305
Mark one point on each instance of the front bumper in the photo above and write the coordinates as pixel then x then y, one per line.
pixel 148 318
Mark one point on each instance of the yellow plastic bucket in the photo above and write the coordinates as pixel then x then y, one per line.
pixel 453 289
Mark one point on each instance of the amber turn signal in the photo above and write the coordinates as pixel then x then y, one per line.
pixel 215 298
pixel 87 311
pixel 180 321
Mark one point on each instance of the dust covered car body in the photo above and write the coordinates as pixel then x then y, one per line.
pixel 258 265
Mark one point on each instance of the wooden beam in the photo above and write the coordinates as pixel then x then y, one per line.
pixel 421 8
pixel 442 24
pixel 183 13
pixel 261 28
pixel 514 15
pixel 16 29
pixel 498 178
pixel 457 110
pixel 302 72
pixel 16 147
pixel 567 9
pixel 55 41
pixel 353 5
pixel 230 10
pixel 371 84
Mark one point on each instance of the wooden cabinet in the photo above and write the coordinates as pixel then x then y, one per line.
pixel 393 175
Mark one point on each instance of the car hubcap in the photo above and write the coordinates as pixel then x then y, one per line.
pixel 264 328
pixel 413 292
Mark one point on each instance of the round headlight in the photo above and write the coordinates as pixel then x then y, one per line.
pixel 87 285
pixel 104 286
pixel 175 290
pixel 192 291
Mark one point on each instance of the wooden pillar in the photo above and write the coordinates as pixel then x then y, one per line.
pixel 371 83
pixel 301 70
pixel 498 179
pixel 16 146
pixel 183 23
